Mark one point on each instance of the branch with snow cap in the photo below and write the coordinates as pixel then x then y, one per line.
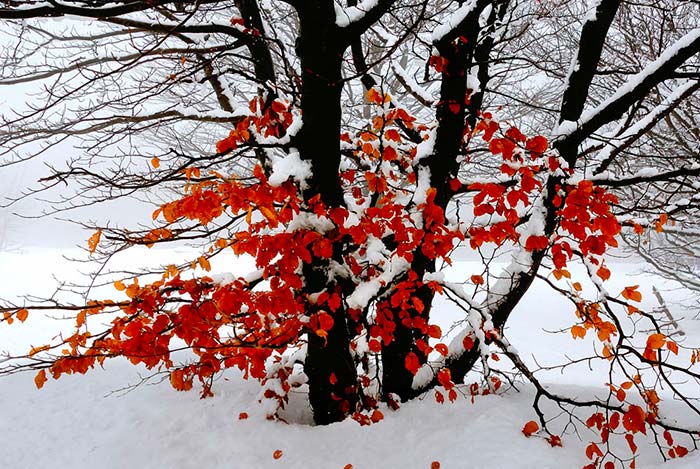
pixel 634 89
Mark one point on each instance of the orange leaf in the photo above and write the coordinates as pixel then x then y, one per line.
pixel 40 379
pixel 22 314
pixel 204 263
pixel 94 240
pixel 155 162
pixel 603 273
pixel 373 96
pixel 578 332
pixel 631 293
pixel 119 285
pixel 36 350
pixel 277 454
pixel 80 318
pixel 672 346
pixel 268 213
pixel 607 353
pixel 656 341
pixel 530 428
pixel 477 279
pixel 376 416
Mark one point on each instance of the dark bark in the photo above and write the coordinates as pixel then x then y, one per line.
pixel 333 390
pixel 320 54
pixel 396 379
pixel 593 36
pixel 452 111
pixel 259 51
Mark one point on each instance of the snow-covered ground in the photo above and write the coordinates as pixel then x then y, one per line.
pixel 88 421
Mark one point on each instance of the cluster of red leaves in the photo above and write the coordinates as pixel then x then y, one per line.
pixel 238 325
pixel 634 419
pixel 266 119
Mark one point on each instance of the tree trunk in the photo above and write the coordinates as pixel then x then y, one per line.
pixel 333 390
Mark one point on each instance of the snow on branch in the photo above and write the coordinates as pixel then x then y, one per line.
pixel 458 21
pixel 645 175
pixel 633 133
pixel 345 16
pixel 635 88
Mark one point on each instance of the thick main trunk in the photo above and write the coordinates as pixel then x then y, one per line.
pixel 332 375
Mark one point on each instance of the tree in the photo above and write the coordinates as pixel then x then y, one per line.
pixel 363 144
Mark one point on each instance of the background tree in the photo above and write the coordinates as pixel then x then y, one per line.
pixel 357 145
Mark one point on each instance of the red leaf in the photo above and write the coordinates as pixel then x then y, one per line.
pixel 411 363
pixel 376 416
pixel 592 450
pixel 668 437
pixel 278 106
pixel 468 343
pixel 439 397
pixel 634 420
pixel 681 451
pixel 277 454
pixel 530 428
pixel 325 321
pixel 434 331
pixel 536 243
pixel 536 144
pixel 445 378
